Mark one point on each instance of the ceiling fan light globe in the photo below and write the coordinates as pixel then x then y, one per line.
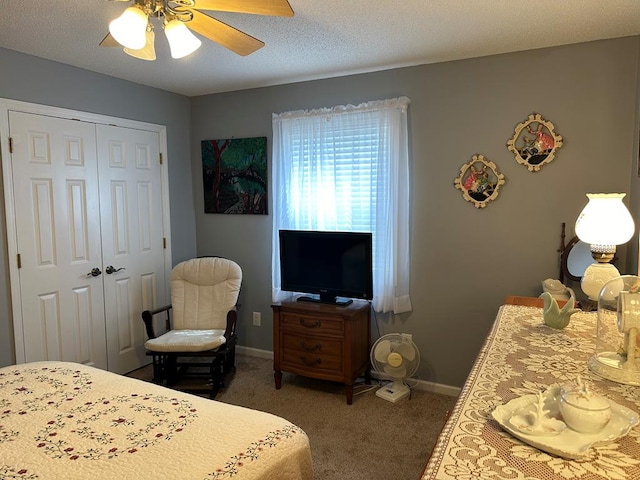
pixel 130 28
pixel 148 52
pixel 181 41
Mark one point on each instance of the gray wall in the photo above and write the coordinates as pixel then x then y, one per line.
pixel 464 261
pixel 31 79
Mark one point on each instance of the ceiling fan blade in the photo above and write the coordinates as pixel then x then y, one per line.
pixel 278 8
pixel 109 41
pixel 227 36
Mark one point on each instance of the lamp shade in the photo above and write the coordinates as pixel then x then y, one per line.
pixel 148 52
pixel 605 220
pixel 130 28
pixel 181 41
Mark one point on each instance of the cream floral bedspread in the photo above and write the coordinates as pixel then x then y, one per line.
pixel 62 420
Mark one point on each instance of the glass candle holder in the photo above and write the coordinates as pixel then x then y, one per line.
pixel 617 355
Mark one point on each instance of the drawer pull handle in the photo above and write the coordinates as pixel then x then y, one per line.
pixel 308 348
pixel 310 363
pixel 304 323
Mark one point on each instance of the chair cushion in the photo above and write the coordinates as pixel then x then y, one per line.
pixel 187 341
pixel 203 290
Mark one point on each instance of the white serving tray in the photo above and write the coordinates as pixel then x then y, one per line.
pixel 567 443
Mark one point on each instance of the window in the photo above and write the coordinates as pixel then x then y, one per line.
pixel 346 169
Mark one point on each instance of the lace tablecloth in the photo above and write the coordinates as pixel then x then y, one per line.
pixel 523 356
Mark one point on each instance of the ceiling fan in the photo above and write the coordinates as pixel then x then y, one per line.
pixel 134 29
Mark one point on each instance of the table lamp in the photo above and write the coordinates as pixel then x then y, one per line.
pixel 603 223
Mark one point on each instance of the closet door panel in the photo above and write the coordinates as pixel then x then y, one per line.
pixel 54 176
pixel 131 213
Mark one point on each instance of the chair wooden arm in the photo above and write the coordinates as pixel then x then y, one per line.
pixel 232 317
pixel 147 318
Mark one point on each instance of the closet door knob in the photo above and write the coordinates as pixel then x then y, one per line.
pixel 95 272
pixel 109 270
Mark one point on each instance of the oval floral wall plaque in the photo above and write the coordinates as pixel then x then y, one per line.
pixel 479 181
pixel 534 142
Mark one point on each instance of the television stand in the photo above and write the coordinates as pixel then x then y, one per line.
pixel 340 301
pixel 322 341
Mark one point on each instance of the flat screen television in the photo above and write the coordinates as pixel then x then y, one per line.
pixel 334 267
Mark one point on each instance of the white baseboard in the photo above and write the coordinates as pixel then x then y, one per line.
pixel 412 382
pixel 254 352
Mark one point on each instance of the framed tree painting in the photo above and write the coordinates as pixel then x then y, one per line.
pixel 234 175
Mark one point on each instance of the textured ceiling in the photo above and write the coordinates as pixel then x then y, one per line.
pixel 325 38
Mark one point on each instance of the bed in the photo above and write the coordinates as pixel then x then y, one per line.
pixel 66 420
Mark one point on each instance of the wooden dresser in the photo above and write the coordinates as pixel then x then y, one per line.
pixel 522 356
pixel 322 341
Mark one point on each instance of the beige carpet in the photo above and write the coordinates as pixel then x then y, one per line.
pixel 371 439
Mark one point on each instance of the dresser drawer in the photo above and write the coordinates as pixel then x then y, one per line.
pixel 312 362
pixel 322 341
pixel 310 324
pixel 310 344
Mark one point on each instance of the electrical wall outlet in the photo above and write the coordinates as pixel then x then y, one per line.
pixel 257 319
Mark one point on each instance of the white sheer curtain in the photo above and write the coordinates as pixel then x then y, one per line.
pixel 346 168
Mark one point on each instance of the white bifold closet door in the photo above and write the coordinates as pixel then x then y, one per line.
pixel 89 233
